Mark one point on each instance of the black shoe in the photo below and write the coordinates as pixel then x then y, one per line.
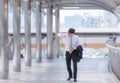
pixel 69 78
pixel 75 80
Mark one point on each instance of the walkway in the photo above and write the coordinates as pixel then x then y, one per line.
pixel 54 71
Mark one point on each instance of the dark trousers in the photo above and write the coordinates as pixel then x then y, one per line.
pixel 68 63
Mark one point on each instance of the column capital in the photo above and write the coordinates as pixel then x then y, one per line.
pixel 56 11
pixel 26 0
pixel 50 6
pixel 37 2
pixel 56 7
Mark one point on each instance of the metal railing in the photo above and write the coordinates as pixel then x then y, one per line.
pixel 114 59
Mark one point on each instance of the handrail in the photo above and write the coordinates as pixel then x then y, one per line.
pixel 114 59
pixel 110 46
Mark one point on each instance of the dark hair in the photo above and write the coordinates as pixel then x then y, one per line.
pixel 71 30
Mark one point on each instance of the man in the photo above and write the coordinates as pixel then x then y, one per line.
pixel 72 43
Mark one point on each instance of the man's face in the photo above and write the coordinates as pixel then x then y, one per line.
pixel 70 34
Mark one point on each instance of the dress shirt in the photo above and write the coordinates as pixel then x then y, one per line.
pixel 75 41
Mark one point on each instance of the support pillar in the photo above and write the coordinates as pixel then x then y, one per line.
pixel 27 33
pixel 38 33
pixel 57 27
pixel 16 30
pixel 4 62
pixel 50 31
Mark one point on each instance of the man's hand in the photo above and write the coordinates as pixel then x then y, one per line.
pixel 75 48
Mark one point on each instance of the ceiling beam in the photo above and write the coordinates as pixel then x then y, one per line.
pixel 92 4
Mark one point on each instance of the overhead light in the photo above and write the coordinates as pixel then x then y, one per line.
pixel 71 7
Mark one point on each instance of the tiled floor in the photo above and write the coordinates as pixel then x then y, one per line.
pixel 54 71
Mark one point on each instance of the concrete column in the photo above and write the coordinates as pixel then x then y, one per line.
pixel 27 33
pixel 4 62
pixel 38 32
pixel 50 31
pixel 57 27
pixel 16 30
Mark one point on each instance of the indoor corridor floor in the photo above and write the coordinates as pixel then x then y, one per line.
pixel 54 71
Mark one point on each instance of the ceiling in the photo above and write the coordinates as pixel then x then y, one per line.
pixel 112 6
pixel 109 5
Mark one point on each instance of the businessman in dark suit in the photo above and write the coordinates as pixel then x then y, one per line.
pixel 73 49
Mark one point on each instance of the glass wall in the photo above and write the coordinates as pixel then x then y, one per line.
pixel 88 19
pixel 78 19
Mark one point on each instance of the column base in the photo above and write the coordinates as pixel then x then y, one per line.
pixel 50 57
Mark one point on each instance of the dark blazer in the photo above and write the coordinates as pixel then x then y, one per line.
pixel 77 54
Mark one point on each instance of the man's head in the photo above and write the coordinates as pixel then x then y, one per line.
pixel 71 32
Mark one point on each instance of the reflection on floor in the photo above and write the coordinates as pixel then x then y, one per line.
pixel 90 70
